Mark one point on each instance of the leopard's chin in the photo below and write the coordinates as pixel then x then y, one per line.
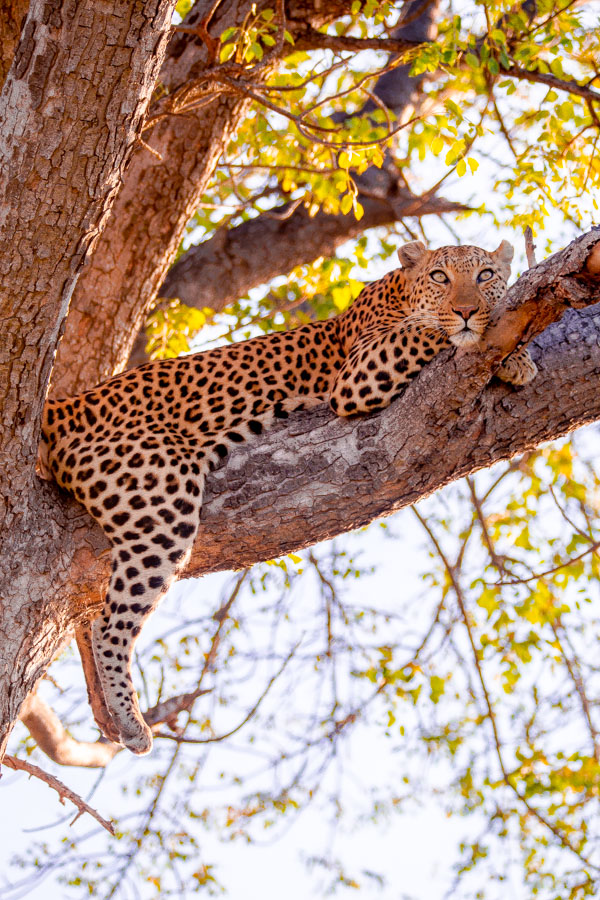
pixel 465 338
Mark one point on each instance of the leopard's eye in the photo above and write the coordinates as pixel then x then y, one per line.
pixel 485 275
pixel 439 277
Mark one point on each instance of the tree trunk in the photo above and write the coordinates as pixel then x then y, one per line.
pixel 71 110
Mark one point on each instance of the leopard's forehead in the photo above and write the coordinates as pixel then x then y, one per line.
pixel 460 259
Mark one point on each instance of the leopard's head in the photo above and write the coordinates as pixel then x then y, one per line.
pixel 455 288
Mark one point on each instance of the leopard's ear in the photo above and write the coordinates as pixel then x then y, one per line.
pixel 503 255
pixel 411 254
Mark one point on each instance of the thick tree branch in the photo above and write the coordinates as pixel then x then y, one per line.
pixel 311 39
pixel 157 199
pixel 220 271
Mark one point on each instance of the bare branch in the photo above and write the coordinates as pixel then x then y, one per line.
pixel 310 39
pixel 63 791
pixel 214 739
pixel 54 740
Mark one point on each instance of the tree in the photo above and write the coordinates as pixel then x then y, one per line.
pixel 256 128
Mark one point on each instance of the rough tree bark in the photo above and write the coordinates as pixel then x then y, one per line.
pixel 12 13
pixel 71 110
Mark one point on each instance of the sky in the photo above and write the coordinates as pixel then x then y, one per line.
pixel 415 851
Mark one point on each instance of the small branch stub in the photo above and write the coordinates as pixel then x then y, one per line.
pixel 529 247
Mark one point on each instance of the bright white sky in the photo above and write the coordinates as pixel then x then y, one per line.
pixel 414 851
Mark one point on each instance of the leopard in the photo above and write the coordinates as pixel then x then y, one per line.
pixel 136 449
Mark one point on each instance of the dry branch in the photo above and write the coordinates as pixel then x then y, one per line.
pixel 529 247
pixel 63 791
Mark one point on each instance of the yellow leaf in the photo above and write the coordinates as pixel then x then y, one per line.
pixel 346 204
pixel 437 145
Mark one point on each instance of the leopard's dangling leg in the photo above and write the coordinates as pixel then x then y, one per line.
pixel 144 566
pixel 83 635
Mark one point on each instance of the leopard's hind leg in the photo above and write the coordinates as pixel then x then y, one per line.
pixel 146 556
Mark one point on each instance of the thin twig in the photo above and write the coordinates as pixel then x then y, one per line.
pixel 579 686
pixel 215 739
pixel 537 575
pixel 63 791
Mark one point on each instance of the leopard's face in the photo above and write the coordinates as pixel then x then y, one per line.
pixel 454 289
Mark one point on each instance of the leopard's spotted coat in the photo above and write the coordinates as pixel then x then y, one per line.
pixel 134 451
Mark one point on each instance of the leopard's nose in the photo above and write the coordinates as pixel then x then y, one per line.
pixel 465 311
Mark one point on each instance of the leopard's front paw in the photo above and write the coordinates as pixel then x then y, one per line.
pixel 518 368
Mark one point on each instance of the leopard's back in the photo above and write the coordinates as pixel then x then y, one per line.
pixel 135 450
